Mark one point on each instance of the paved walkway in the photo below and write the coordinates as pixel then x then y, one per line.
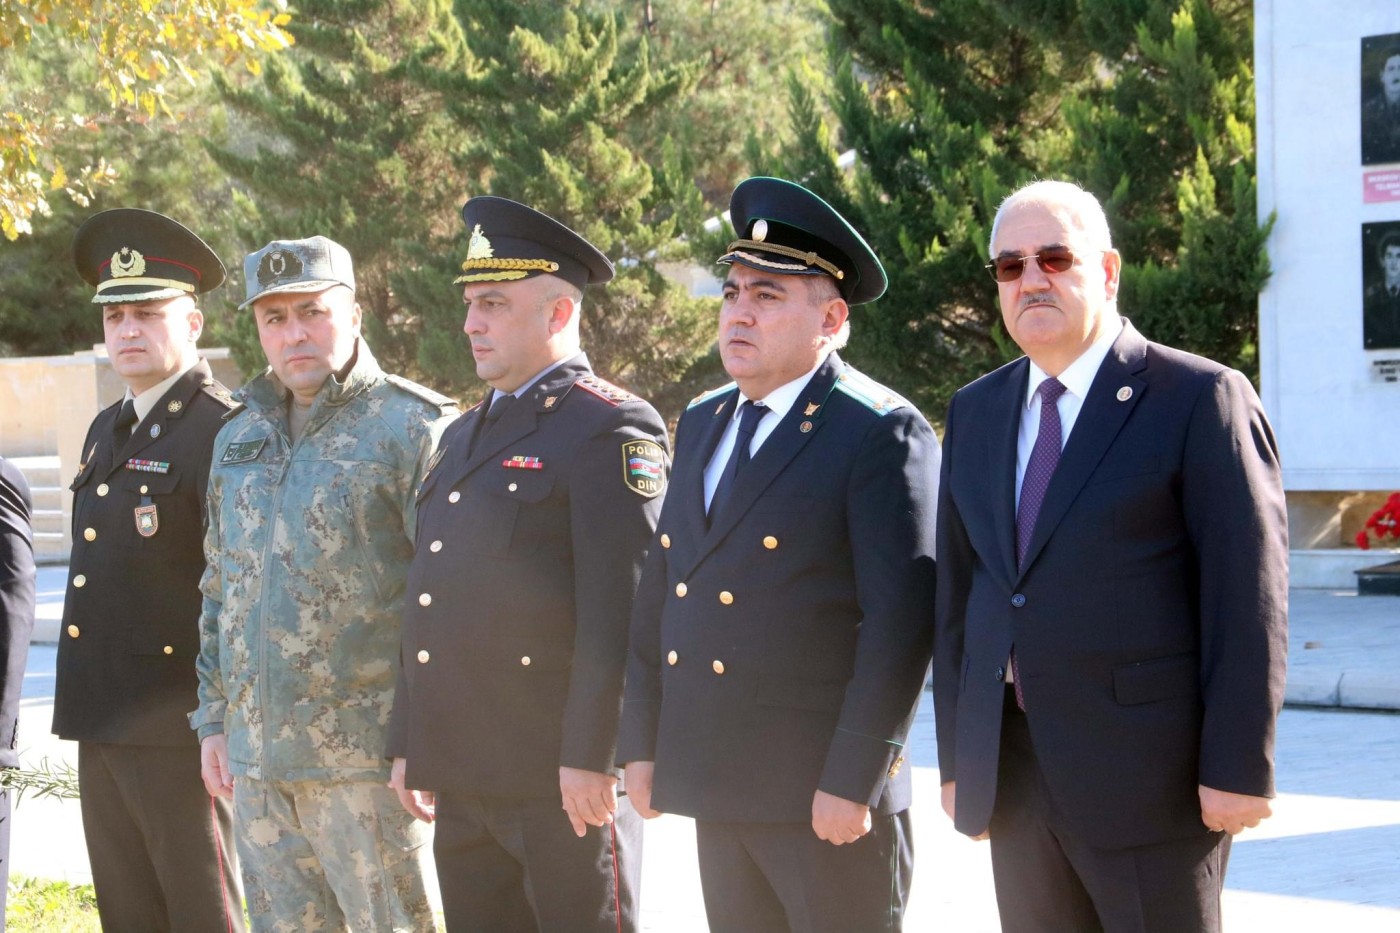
pixel 1328 859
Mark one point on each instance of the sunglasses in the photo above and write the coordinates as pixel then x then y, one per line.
pixel 1052 261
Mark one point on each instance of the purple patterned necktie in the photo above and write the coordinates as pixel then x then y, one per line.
pixel 1045 456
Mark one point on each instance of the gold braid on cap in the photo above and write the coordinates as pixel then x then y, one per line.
pixel 808 259
pixel 503 270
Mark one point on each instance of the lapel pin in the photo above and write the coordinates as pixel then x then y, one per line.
pixel 1125 393
pixel 549 402
pixel 811 409
pixel 174 406
pixel 719 408
pixel 155 432
pixel 805 427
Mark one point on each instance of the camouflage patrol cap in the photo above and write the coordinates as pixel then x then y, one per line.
pixel 310 265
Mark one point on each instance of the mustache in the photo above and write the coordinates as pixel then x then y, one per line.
pixel 1042 300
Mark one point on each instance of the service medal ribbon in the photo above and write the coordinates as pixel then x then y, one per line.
pixel 523 463
pixel 148 466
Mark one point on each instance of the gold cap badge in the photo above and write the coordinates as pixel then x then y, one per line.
pixel 127 262
pixel 479 247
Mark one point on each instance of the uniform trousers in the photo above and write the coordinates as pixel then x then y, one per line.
pixel 1048 880
pixel 329 856
pixel 514 865
pixel 770 877
pixel 161 848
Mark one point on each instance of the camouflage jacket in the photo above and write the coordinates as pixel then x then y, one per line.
pixel 307 548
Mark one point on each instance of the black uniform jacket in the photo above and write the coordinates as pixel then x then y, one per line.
pixel 16 602
pixel 131 612
pixel 531 536
pixel 1150 614
pixel 781 648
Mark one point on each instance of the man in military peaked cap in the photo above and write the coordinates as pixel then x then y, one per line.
pixel 161 849
pixel 783 625
pixel 311 526
pixel 532 527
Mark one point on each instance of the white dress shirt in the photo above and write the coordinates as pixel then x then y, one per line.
pixel 146 401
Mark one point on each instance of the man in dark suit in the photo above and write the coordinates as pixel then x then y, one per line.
pixel 1112 597
pixel 16 622
pixel 782 628
pixel 161 848
pixel 533 522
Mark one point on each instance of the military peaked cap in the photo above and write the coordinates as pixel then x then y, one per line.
pixel 785 228
pixel 133 255
pixel 510 241
pixel 310 265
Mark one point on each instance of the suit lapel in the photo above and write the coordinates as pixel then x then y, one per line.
pixel 1001 457
pixel 1100 419
pixel 161 415
pixel 690 485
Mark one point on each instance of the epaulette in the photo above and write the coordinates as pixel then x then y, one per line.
pixel 704 397
pixel 218 392
pixel 868 392
pixel 423 392
pixel 604 390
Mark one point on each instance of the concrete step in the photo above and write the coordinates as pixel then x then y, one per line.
pixel 40 471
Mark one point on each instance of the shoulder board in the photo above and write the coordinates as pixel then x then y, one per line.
pixel 423 392
pixel 219 393
pixel 868 392
pixel 704 397
pixel 605 390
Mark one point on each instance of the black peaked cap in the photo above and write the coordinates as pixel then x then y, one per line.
pixel 129 254
pixel 510 241
pixel 786 229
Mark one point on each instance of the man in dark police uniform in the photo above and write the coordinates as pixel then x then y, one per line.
pixel 783 625
pixel 532 525
pixel 161 850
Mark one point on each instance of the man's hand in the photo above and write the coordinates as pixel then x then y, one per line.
pixel 637 779
pixel 949 795
pixel 213 766
pixel 1232 813
pixel 420 803
pixel 590 798
pixel 838 820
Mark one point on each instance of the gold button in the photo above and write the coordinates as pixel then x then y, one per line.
pixel 102 489
pixel 680 589
pixel 90 534
pixel 169 650
pixel 770 542
pixel 425 599
pixel 454 496
pixel 423 656
pixel 145 489
pixel 80 581
pixel 525 661
pixel 665 540
pixel 72 631
pixel 718 666
pixel 512 487
pixel 435 546
pixel 726 597
pixel 672 658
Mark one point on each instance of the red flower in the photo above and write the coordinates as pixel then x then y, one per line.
pixel 1384 523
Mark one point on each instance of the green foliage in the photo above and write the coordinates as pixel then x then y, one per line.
pixel 47 780
pixel 951 106
pixel 36 905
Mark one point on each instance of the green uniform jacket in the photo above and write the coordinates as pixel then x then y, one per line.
pixel 307 549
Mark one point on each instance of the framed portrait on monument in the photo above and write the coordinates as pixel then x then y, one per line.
pixel 1380 273
pixel 1380 99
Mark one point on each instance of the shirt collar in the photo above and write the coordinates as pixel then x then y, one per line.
pixel 146 401
pixel 525 386
pixel 781 399
pixel 1079 375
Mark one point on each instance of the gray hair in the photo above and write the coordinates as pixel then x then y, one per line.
pixel 1085 208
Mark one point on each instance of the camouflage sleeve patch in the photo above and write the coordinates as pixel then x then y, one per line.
pixel 426 394
pixel 644 467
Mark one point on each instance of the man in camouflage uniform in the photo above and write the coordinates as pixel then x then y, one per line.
pixel 311 523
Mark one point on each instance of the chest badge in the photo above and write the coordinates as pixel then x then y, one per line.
pixel 147 520
pixel 155 430
pixel 243 451
pixel 644 467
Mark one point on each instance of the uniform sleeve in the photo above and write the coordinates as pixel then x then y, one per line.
pixel 16 602
pixel 428 442
pixel 208 718
pixel 641 704
pixel 1232 497
pixel 611 526
pixel 890 511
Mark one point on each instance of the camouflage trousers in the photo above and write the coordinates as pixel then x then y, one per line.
pixel 322 856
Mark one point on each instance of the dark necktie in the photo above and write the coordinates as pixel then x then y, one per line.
pixel 750 413
pixel 1045 456
pixel 126 420
pixel 498 408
